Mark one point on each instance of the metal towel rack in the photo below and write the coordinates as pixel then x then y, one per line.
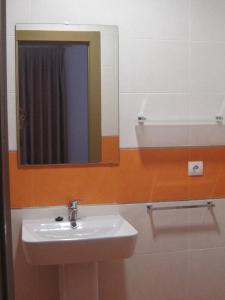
pixel 208 204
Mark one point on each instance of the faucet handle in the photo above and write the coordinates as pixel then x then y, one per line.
pixel 74 204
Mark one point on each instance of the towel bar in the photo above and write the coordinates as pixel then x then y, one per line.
pixel 208 204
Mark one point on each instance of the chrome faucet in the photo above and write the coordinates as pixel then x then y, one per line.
pixel 73 212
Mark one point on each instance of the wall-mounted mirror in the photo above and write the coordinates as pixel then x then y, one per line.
pixel 67 94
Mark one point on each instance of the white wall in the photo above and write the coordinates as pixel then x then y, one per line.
pixel 179 256
pixel 172 53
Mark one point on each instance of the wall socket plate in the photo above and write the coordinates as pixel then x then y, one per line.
pixel 195 168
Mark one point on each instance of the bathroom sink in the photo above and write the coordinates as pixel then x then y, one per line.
pixel 96 238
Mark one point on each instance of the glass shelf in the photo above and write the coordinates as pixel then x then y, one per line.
pixel 181 122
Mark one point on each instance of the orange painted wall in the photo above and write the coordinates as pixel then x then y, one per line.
pixel 142 175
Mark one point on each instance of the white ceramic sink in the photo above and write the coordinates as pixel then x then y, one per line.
pixel 96 238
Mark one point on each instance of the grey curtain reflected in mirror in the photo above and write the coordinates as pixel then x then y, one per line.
pixel 53 102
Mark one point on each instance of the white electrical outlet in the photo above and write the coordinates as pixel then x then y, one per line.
pixel 195 168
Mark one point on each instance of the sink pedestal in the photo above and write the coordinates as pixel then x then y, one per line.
pixel 78 281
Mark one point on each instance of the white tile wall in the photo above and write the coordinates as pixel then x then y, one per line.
pixel 79 11
pixel 207 20
pixel 174 47
pixel 153 66
pixel 207 68
pixel 206 266
pixel 17 12
pixel 155 19
pixel 179 256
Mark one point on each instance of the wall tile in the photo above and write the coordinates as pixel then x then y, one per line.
pixel 160 231
pixel 155 277
pixel 150 19
pixel 207 67
pixel 208 20
pixel 17 12
pixel 207 227
pixel 144 175
pixel 206 271
pixel 76 12
pixel 147 66
pixel 206 107
pixel 52 11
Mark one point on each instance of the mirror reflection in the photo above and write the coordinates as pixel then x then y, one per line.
pixel 68 96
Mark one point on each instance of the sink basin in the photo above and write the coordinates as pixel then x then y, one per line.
pixel 96 238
